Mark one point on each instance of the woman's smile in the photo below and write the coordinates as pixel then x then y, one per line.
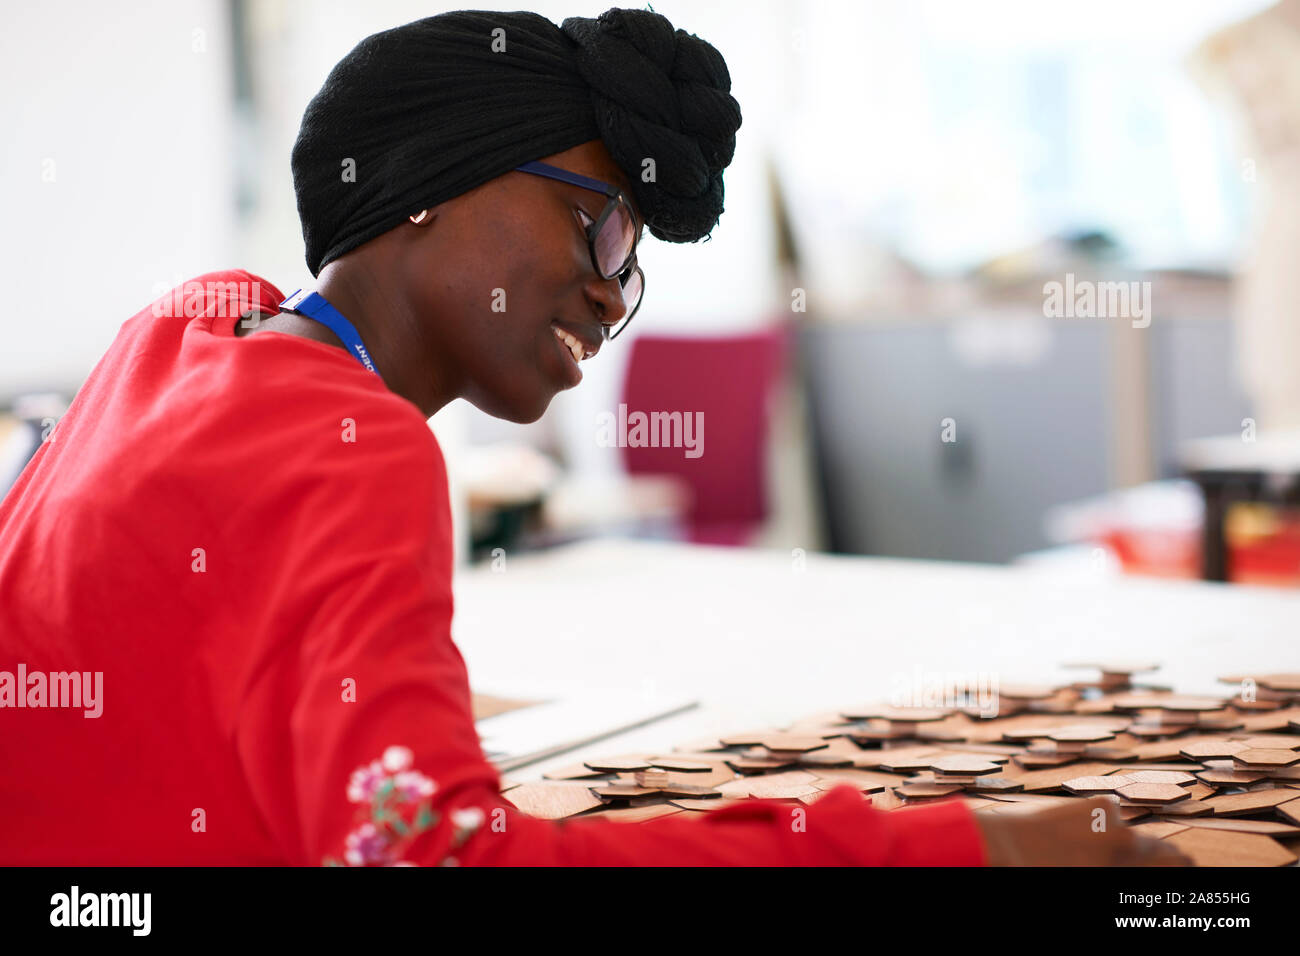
pixel 567 357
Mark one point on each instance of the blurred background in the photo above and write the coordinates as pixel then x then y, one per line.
pixel 866 357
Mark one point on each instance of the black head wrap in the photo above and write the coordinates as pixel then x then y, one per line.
pixel 416 115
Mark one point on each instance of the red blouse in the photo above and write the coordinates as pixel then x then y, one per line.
pixel 242 548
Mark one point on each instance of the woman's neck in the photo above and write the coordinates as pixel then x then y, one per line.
pixel 289 323
pixel 358 300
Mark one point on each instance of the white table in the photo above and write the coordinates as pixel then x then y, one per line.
pixel 761 642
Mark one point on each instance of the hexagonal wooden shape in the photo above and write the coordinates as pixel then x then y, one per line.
pixel 616 790
pixel 1240 825
pixel 916 791
pixel 972 765
pixel 906 761
pixel 1177 777
pixel 801 743
pixel 789 785
pixel 681 766
pixel 963 769
pixel 872 759
pixel 752 765
pixel 1272 742
pixel 1230 778
pixel 1095 784
pixel 1027 733
pixel 1153 793
pixel 866 736
pixel 1256 759
pixel 1256 801
pixel 1221 848
pixel 1074 740
pixel 1155 731
pixel 1079 735
pixel 1039 761
pixel 617 764
pixel 748 738
pixel 1211 749
pixel 552 801
pixel 689 790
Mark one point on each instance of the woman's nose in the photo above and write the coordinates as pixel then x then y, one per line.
pixel 606 299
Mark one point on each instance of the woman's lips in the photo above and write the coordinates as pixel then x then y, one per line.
pixel 571 370
pixel 571 342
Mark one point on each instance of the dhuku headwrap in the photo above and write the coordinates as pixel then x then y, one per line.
pixel 416 115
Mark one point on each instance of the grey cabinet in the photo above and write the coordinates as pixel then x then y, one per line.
pixel 1029 434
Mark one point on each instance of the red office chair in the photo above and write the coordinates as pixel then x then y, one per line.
pixel 730 381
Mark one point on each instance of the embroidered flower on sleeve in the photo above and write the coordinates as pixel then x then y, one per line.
pixel 365 783
pixel 396 805
pixel 397 758
pixel 465 821
pixel 366 844
pixel 413 786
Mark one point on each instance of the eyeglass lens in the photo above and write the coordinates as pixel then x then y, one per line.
pixel 614 244
pixel 633 287
pixel 615 241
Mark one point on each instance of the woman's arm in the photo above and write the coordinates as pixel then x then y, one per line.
pixel 355 728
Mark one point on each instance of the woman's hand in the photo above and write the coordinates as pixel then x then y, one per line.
pixel 1081 833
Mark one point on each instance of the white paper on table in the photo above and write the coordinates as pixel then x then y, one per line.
pixel 519 737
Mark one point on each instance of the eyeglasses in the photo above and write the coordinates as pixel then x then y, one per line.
pixel 611 239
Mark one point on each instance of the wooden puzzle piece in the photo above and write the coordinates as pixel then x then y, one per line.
pixel 1200 771
pixel 1152 793
pixel 1224 848
pixel 1252 802
pixel 552 801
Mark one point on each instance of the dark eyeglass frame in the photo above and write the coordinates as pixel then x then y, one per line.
pixel 614 195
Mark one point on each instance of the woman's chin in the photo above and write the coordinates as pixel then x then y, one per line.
pixel 519 409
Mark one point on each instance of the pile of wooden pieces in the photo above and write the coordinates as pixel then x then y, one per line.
pixel 1218 776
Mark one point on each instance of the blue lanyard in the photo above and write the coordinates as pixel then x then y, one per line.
pixel 316 306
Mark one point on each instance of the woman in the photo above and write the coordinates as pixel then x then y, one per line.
pixel 238 537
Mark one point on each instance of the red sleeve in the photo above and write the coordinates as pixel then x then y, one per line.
pixel 358 741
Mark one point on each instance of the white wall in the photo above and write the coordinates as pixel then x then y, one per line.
pixel 116 173
pixel 136 115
